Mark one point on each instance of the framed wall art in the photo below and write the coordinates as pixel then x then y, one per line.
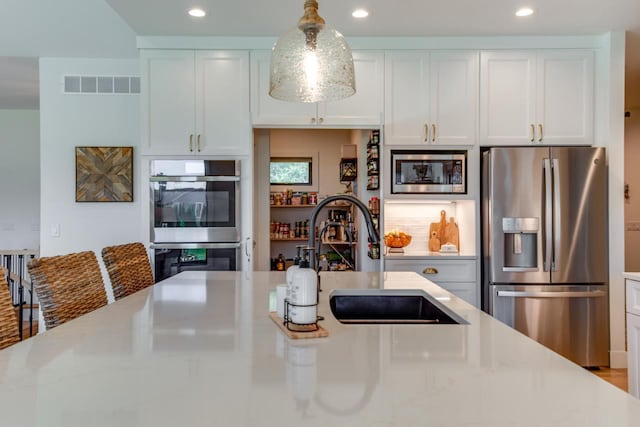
pixel 104 174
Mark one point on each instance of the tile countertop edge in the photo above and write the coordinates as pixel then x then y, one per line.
pixel 631 275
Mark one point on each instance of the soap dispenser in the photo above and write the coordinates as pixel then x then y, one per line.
pixel 291 270
pixel 303 301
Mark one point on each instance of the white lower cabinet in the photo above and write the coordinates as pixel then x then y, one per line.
pixel 633 336
pixel 457 276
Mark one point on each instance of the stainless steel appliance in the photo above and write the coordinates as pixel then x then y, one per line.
pixel 428 172
pixel 195 216
pixel 172 258
pixel 545 264
pixel 195 201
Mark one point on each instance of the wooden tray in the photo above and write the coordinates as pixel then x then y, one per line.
pixel 319 333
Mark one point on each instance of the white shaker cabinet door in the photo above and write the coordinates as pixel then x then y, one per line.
pixel 406 98
pixel 364 108
pixel 267 111
pixel 223 124
pixel 453 97
pixel 507 98
pixel 168 103
pixel 564 97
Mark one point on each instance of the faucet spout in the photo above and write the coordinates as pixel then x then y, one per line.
pixel 371 229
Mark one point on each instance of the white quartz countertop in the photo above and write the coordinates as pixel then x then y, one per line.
pixel 200 350
pixel 631 275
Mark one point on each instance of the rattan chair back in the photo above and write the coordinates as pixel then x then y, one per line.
pixel 9 328
pixel 128 267
pixel 67 286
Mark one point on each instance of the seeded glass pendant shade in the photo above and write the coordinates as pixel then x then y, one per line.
pixel 312 62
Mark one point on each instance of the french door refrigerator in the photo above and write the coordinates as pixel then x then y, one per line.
pixel 544 244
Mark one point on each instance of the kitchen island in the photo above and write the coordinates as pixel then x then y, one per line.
pixel 199 349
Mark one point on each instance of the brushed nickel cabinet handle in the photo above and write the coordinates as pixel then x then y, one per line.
pixel 430 270
pixel 533 132
pixel 540 128
pixel 191 143
pixel 426 132
pixel 433 132
pixel 198 143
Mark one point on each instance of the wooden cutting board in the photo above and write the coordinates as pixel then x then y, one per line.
pixel 319 333
pixel 443 232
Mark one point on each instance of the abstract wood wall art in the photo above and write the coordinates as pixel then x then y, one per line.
pixel 104 174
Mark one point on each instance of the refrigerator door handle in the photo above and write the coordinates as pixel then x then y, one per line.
pixel 551 294
pixel 556 210
pixel 548 216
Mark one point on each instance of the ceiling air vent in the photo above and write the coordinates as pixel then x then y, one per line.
pixel 102 85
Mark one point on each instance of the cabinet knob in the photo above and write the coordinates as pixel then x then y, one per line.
pixel 313 119
pixel 430 270
pixel 321 120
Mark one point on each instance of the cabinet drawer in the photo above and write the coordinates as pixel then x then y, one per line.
pixel 633 353
pixel 437 271
pixel 633 297
pixel 467 291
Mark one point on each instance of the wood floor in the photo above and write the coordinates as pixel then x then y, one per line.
pixel 617 377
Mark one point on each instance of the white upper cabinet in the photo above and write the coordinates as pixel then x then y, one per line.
pixel 364 108
pixel 431 98
pixel 195 102
pixel 536 97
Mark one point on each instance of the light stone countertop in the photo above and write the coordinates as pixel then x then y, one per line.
pixel 200 350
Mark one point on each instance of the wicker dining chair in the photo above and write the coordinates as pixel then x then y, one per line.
pixel 9 328
pixel 67 286
pixel 128 267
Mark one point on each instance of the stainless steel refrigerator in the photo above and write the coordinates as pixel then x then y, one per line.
pixel 544 243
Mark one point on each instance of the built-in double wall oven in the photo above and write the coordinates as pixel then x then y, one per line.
pixel 195 215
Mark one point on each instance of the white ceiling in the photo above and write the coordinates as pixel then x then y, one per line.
pixel 387 17
pixel 107 28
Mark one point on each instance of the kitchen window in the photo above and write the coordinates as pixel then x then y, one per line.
pixel 291 171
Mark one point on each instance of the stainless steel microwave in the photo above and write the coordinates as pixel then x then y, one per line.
pixel 428 172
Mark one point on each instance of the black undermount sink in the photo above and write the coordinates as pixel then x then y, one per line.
pixel 390 306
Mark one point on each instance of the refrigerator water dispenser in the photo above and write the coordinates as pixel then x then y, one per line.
pixel 520 244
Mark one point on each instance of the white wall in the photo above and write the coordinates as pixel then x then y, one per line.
pixel 67 121
pixel 20 179
pixel 632 179
pixel 610 133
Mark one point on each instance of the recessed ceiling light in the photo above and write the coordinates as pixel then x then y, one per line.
pixel 360 13
pixel 525 11
pixel 198 13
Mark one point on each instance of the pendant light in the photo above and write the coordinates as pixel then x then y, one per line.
pixel 312 62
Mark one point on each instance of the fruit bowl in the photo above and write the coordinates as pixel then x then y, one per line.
pixel 399 240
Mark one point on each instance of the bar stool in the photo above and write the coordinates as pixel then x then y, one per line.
pixel 128 267
pixel 9 328
pixel 67 286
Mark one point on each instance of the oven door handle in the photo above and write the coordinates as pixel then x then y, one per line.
pixel 165 178
pixel 232 245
